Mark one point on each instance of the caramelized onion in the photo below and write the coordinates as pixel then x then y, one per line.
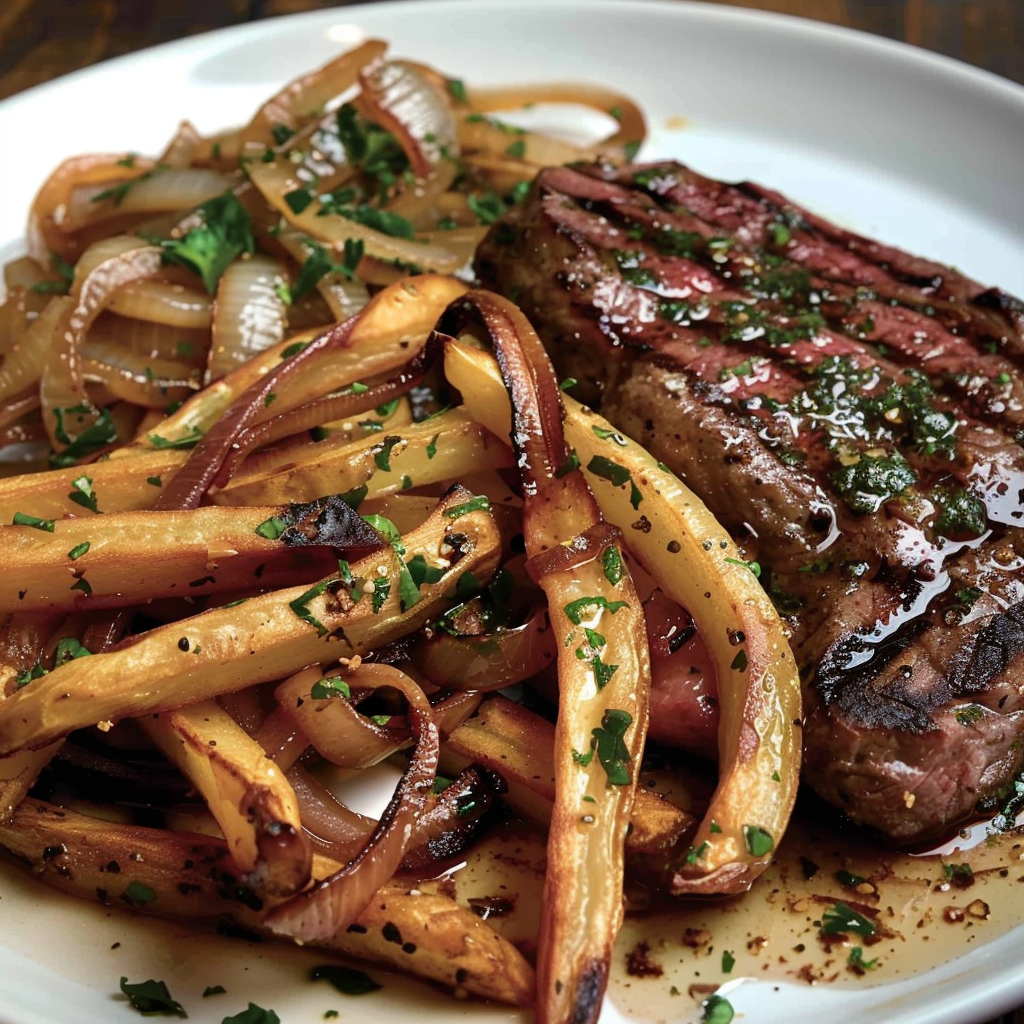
pixel 290 107
pixel 158 190
pixel 327 410
pixel 277 180
pixel 48 228
pixel 136 378
pixel 335 902
pixel 399 98
pixel 163 303
pixel 490 661
pixel 248 314
pixel 23 362
pixel 193 480
pixel 63 387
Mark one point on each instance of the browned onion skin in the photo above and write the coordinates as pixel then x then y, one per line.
pixel 333 904
pixel 196 477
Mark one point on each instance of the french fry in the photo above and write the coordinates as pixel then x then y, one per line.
pixel 442 448
pixel 604 668
pixel 123 486
pixel 519 746
pixel 671 533
pixel 265 638
pixel 247 793
pixel 192 876
pixel 133 557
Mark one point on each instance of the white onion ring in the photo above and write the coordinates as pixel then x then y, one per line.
pixel 248 313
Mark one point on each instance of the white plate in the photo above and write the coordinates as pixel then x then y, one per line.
pixel 912 148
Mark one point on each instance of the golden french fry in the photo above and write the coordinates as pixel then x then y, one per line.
pixel 670 532
pixel 132 557
pixel 121 485
pixel 265 638
pixel 183 875
pixel 246 792
pixel 519 746
pixel 442 448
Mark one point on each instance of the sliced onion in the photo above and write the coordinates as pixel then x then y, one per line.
pixel 334 903
pixel 13 319
pixel 151 340
pixel 399 98
pixel 490 661
pixel 14 409
pixel 455 819
pixel 179 188
pixel 152 383
pixel 23 362
pixel 295 103
pixel 632 126
pixel 193 480
pixel 335 728
pixel 163 303
pixel 336 830
pixel 62 385
pixel 48 228
pixel 248 314
pixel 275 181
pixel 181 150
pixel 344 297
pixel 330 409
pixel 101 251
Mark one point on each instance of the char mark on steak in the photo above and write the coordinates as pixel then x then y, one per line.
pixel 853 414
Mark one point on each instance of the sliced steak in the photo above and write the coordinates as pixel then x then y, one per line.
pixel 853 414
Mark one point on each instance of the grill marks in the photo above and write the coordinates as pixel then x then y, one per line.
pixel 851 412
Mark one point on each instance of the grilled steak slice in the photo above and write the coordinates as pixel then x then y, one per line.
pixel 853 414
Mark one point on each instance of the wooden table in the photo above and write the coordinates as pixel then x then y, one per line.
pixel 42 39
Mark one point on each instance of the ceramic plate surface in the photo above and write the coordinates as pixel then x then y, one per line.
pixel 896 143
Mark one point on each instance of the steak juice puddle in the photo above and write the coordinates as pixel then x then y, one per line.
pixel 834 908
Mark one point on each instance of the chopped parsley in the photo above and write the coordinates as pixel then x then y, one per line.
pixel 253 1014
pixel 335 686
pixel 382 457
pixel 857 962
pixel 577 610
pixel 138 894
pixel 24 519
pixel 99 433
pixel 319 263
pixel 209 249
pixel 759 843
pixel 347 981
pixel 716 1010
pixel 186 441
pixel 873 480
pixel 82 493
pixel 754 567
pixel 840 919
pixel 479 503
pixel 152 997
pixel 272 528
pixel 609 470
pixel 611 561
pixel 608 742
pixel 301 606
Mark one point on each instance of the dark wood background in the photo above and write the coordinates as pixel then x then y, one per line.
pixel 42 39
